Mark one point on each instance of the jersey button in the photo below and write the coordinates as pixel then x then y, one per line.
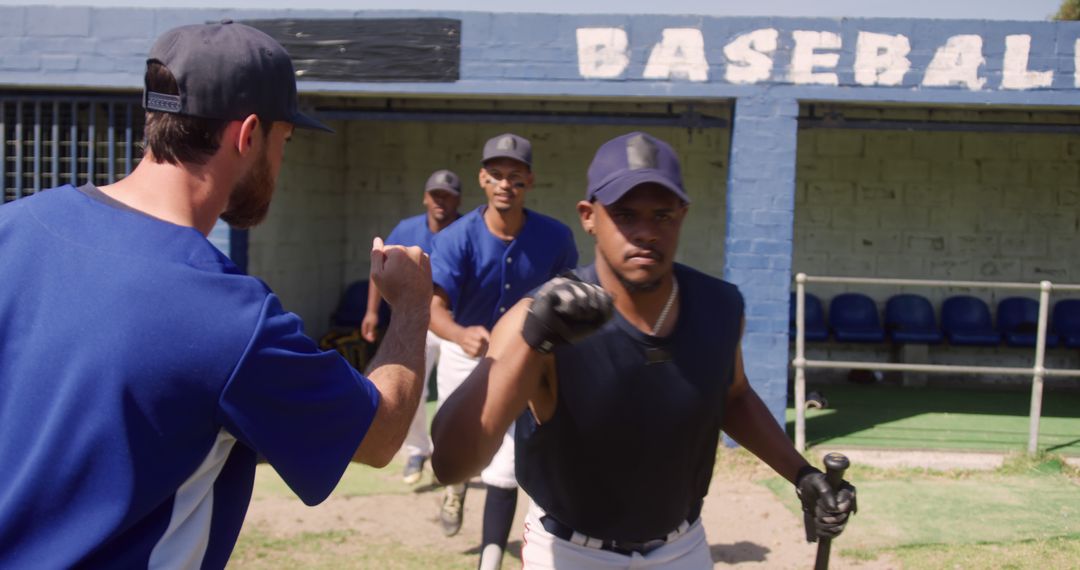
pixel 502 309
pixel 507 287
pixel 509 260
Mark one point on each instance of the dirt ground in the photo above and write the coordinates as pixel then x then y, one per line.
pixel 747 526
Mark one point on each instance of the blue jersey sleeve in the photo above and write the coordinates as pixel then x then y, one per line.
pixel 570 256
pixel 303 409
pixel 449 258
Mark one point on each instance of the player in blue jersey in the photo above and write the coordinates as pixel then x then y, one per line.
pixel 620 381
pixel 442 195
pixel 141 372
pixel 483 264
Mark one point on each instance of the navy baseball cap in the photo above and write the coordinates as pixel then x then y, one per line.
pixel 508 145
pixel 630 160
pixel 443 180
pixel 227 71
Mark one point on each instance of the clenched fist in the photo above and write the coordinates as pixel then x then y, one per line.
pixel 565 310
pixel 829 508
pixel 402 274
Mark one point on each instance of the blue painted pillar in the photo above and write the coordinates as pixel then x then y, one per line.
pixel 232 242
pixel 760 218
pixel 220 236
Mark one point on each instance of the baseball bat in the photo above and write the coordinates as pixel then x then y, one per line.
pixel 835 465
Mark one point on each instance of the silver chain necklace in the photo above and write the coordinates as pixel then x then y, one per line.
pixel 667 306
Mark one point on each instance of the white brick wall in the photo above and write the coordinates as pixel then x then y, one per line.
pixel 979 206
pixel 299 249
pixel 942 205
pixel 336 192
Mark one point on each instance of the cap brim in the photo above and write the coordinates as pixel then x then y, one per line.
pixel 441 187
pixel 303 121
pixel 616 189
pixel 505 155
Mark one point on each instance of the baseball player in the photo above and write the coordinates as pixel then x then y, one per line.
pixel 141 373
pixel 621 379
pixel 481 265
pixel 442 196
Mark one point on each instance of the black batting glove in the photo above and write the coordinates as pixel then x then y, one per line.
pixel 825 509
pixel 565 310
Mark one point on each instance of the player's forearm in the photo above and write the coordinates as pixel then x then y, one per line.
pixel 461 446
pixel 397 372
pixel 442 320
pixel 748 421
pixel 469 427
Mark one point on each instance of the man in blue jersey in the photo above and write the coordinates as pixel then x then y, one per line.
pixel 620 380
pixel 442 195
pixel 141 372
pixel 481 266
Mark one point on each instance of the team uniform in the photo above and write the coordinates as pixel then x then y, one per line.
pixel 627 399
pixel 483 277
pixel 136 447
pixel 409 232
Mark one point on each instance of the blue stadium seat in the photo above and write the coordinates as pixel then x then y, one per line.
pixel 965 320
pixel 814 315
pixel 853 317
pixel 909 319
pixel 1018 322
pixel 1067 322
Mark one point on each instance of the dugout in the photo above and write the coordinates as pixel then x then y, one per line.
pixel 938 192
pixel 763 110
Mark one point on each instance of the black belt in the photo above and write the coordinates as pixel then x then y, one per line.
pixel 624 547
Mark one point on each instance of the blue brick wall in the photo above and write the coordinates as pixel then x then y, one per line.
pixel 760 215
pixel 536 54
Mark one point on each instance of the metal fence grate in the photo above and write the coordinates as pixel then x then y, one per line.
pixel 52 139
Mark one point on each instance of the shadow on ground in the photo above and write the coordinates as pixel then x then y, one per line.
pixel 513 549
pixel 742 551
pixel 889 416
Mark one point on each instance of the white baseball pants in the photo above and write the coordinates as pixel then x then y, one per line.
pixel 417 441
pixel 454 367
pixel 541 550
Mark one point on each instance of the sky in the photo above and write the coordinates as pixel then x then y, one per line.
pixel 951 9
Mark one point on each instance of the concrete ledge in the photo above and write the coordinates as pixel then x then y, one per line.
pixel 936 460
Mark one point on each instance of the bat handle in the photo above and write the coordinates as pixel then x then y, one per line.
pixel 835 465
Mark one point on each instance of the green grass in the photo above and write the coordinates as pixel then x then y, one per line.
pixel 1039 554
pixel 886 416
pixel 1023 515
pixel 358 480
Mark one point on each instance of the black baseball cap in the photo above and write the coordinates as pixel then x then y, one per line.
pixel 508 145
pixel 630 160
pixel 443 180
pixel 227 71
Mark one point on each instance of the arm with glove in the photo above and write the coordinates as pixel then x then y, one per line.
pixel 468 429
pixel 748 421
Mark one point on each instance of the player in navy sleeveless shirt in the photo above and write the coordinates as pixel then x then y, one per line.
pixel 623 375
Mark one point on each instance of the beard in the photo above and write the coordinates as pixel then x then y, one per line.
pixel 249 201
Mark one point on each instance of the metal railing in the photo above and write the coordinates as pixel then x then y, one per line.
pixel 1038 371
pixel 49 139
